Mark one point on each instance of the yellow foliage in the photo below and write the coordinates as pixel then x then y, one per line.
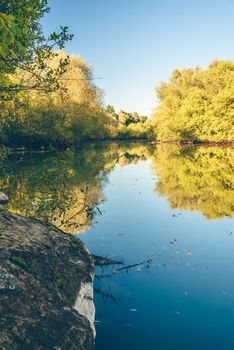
pixel 197 104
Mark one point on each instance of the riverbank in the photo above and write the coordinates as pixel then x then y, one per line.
pixel 197 142
pixel 46 287
pixel 41 150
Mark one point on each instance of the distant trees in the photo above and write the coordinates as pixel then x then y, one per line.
pixel 127 118
pixel 110 112
pixel 131 125
pixel 197 104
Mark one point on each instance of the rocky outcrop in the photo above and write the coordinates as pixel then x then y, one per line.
pixel 45 287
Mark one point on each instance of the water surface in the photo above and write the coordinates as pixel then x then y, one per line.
pixel 169 208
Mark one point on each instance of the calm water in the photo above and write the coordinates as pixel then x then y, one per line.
pixel 171 206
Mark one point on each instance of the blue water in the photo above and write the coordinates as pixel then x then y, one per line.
pixel 185 298
pixel 166 208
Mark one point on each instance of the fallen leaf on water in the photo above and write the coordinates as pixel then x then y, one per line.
pixel 188 252
pixel 177 312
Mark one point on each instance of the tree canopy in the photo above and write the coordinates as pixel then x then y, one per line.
pixel 24 46
pixel 197 104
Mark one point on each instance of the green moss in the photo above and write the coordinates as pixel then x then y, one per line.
pixel 17 260
pixel 59 282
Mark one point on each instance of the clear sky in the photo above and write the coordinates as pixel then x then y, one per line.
pixel 135 44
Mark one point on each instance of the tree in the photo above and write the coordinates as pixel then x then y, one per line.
pixel 197 104
pixel 7 35
pixel 24 46
pixel 110 111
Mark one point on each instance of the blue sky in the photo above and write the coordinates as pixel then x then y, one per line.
pixel 135 44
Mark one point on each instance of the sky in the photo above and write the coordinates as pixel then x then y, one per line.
pixel 133 45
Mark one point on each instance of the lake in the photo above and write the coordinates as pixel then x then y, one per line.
pixel 166 212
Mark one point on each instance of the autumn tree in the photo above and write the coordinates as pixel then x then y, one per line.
pixel 197 104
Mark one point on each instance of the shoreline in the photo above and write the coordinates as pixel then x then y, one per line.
pixel 43 149
pixel 41 287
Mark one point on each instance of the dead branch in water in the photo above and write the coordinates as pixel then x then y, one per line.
pixel 144 264
pixel 104 261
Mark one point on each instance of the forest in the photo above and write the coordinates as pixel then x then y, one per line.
pixel 50 99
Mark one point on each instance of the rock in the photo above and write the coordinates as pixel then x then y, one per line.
pixel 45 287
pixel 3 198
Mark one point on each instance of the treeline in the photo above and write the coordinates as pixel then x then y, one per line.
pixel 197 105
pixel 48 98
pixel 131 125
pixel 69 114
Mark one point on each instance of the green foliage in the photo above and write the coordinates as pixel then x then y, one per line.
pixel 23 46
pixel 127 118
pixel 69 115
pixel 197 104
pixel 137 131
pixel 17 260
pixel 47 98
pixel 130 125
pixel 7 35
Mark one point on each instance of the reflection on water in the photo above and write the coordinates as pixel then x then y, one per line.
pixel 63 188
pixel 198 179
pixel 66 188
pixel 152 208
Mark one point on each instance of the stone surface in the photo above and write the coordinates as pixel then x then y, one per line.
pixel 43 279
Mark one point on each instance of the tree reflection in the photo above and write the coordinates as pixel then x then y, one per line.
pixel 66 188
pixel 196 178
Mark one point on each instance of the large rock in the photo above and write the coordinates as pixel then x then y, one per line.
pixel 45 287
